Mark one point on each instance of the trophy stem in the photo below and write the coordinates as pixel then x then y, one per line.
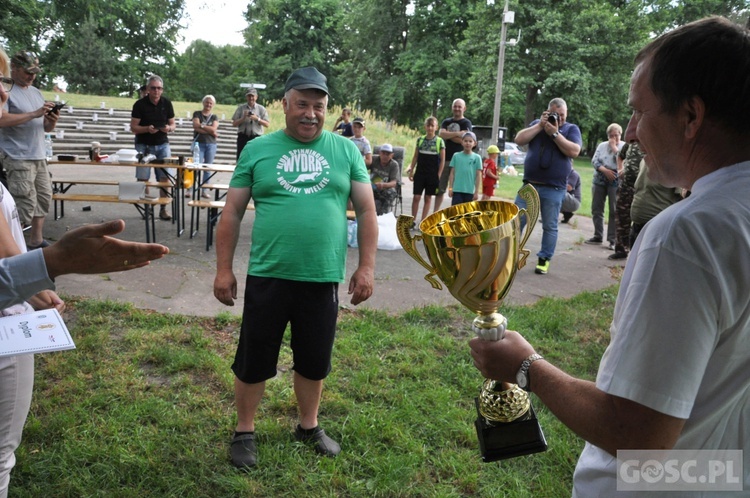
pixel 506 424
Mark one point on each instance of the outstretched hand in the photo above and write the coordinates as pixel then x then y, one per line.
pixel 92 249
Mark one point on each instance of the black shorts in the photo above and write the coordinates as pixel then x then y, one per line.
pixel 426 183
pixel 311 308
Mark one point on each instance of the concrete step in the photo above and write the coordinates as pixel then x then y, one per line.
pixel 76 129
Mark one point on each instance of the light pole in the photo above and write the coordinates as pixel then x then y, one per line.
pixel 508 18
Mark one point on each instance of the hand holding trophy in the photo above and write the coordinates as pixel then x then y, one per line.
pixel 475 249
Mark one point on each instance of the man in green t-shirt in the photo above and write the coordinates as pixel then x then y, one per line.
pixel 300 179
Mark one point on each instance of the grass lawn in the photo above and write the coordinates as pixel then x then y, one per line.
pixel 144 408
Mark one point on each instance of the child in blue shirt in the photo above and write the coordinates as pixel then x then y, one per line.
pixel 465 181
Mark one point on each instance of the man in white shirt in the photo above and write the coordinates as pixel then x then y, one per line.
pixel 676 373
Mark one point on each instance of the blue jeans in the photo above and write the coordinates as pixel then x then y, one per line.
pixel 161 151
pixel 208 153
pixel 550 202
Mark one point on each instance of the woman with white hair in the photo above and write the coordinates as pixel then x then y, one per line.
pixel 205 126
pixel 606 175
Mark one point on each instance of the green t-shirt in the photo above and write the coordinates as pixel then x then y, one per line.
pixel 465 168
pixel 300 191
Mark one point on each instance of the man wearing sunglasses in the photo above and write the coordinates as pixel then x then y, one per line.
pixel 26 119
pixel 152 120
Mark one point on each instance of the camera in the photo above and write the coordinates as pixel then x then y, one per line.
pixel 553 118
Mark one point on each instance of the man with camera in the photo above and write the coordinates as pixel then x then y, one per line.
pixel 151 121
pixel 26 119
pixel 249 119
pixel 552 144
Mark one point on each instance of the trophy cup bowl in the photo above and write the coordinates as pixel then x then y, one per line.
pixel 475 250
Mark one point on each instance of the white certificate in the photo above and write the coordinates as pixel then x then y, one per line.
pixel 37 332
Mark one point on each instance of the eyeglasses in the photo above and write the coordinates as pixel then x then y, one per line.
pixel 7 83
pixel 156 88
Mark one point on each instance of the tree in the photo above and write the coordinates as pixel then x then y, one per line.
pixel 284 35
pixel 400 57
pixel 134 37
pixel 373 36
pixel 204 69
pixel 587 62
pixel 87 63
pixel 21 24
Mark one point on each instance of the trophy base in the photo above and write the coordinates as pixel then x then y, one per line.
pixel 511 439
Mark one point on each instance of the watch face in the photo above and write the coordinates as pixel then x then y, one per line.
pixel 522 380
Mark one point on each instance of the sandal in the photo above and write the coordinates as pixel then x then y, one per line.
pixel 165 216
pixel 44 243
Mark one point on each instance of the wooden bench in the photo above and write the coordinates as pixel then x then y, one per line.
pixel 61 186
pixel 214 211
pixel 106 182
pixel 218 188
pixel 144 206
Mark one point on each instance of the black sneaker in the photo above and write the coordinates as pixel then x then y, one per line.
pixel 566 217
pixel 594 240
pixel 618 255
pixel 243 451
pixel 323 444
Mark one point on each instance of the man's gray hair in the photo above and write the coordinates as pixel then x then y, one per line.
pixel 557 102
pixel 155 77
pixel 287 99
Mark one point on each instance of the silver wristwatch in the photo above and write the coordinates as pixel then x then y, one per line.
pixel 522 377
pixel 555 134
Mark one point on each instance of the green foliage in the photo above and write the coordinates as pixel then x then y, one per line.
pixel 204 69
pixel 84 66
pixel 20 23
pixel 143 407
pixel 401 60
pixel 100 46
pixel 587 62
pixel 283 35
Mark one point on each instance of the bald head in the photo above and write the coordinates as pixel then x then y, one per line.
pixel 458 107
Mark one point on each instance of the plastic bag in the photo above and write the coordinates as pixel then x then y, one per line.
pixel 187 176
pixel 351 233
pixel 387 238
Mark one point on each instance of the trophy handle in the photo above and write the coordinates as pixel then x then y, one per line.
pixel 409 243
pixel 529 194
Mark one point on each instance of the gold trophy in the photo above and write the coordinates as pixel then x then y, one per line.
pixel 475 249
